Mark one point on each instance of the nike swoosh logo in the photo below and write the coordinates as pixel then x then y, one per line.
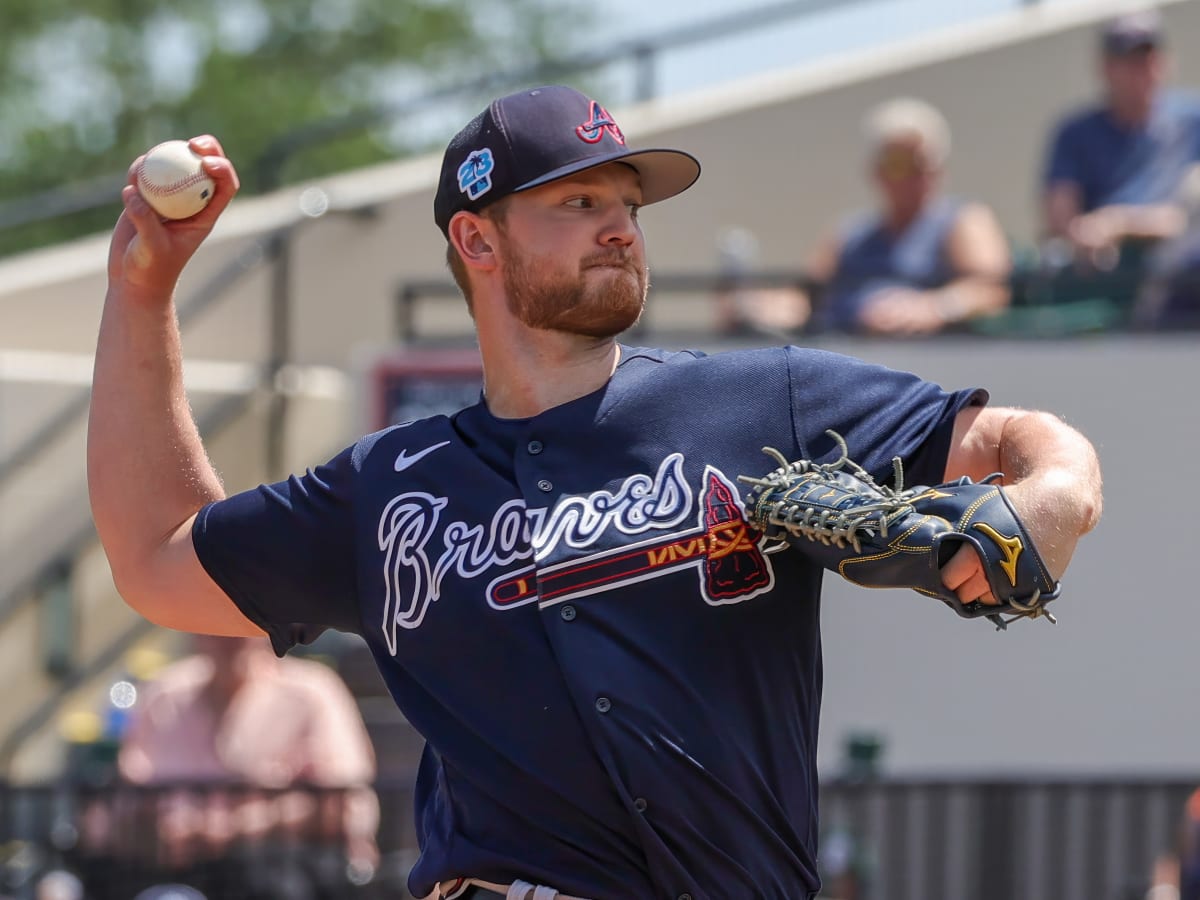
pixel 403 460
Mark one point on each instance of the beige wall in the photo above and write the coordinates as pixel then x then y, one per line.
pixel 1111 688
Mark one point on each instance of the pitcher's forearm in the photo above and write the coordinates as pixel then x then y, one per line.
pixel 148 473
pixel 1051 473
pixel 1057 483
pixel 147 468
pixel 1041 448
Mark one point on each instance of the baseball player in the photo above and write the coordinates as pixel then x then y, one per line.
pixel 618 686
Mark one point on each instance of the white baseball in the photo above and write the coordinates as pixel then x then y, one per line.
pixel 172 180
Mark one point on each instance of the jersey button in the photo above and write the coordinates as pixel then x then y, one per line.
pixel 545 485
pixel 535 447
pixel 603 704
pixel 567 613
pixel 640 804
pixel 685 897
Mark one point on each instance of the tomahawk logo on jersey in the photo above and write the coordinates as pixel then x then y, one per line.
pixel 720 546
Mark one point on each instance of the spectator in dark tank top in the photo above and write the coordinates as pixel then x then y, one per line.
pixel 920 262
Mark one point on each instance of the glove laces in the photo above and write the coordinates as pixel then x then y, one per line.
pixel 833 527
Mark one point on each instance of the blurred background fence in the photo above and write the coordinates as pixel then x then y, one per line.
pixel 900 839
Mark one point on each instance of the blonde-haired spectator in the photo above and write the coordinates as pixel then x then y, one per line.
pixel 920 262
pixel 907 119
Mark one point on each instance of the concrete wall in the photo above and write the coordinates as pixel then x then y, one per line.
pixel 1112 687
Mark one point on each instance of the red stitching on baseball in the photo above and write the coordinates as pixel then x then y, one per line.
pixel 172 186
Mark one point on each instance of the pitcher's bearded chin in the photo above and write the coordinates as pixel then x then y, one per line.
pixel 599 301
pixel 622 306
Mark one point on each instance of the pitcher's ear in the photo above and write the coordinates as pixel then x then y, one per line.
pixel 472 236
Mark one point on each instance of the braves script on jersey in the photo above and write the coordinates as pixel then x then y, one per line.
pixel 619 689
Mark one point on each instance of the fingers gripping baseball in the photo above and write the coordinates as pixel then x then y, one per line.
pixel 149 252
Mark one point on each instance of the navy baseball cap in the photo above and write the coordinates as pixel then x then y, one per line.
pixel 1132 32
pixel 536 136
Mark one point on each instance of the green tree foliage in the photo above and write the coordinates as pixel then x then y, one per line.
pixel 87 85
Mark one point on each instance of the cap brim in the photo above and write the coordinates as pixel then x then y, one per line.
pixel 663 173
pixel 1130 46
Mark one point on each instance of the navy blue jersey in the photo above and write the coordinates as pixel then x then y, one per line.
pixel 619 690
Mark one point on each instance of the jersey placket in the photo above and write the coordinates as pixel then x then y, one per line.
pixel 542 479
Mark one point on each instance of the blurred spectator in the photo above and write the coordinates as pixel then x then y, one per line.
pixel 922 262
pixel 254 733
pixel 1170 295
pixel 1176 875
pixel 1113 170
pixel 745 307
pixel 1189 850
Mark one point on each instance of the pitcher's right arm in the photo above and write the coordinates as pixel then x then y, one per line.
pixel 148 472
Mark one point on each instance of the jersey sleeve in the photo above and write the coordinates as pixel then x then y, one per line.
pixel 881 412
pixel 1194 129
pixel 1062 157
pixel 284 552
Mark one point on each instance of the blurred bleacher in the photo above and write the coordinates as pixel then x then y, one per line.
pixel 903 839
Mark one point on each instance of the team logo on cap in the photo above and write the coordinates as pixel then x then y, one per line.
pixel 599 121
pixel 475 175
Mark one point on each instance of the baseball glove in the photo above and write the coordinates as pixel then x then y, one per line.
pixel 879 536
